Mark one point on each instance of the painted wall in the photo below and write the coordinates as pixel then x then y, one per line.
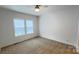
pixel 78 38
pixel 60 24
pixel 7 30
pixel 0 31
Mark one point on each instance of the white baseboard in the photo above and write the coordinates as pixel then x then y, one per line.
pixel 57 40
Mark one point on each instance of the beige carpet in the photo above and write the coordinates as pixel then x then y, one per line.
pixel 39 46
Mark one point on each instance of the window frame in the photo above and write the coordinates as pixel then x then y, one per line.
pixel 32 27
pixel 25 26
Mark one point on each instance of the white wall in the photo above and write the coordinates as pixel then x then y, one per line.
pixel 0 32
pixel 7 30
pixel 78 38
pixel 60 24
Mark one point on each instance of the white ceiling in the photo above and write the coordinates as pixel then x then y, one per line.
pixel 29 9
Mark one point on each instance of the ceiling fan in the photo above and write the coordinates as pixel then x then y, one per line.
pixel 38 7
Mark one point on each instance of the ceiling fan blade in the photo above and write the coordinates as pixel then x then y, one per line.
pixel 41 6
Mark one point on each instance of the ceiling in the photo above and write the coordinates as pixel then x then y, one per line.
pixel 29 9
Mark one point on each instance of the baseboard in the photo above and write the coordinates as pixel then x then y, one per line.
pixel 58 41
pixel 19 42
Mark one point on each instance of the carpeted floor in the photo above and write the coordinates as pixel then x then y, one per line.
pixel 39 46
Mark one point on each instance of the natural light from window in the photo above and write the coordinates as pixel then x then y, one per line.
pixel 23 27
pixel 29 26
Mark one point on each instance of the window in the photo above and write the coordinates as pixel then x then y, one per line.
pixel 19 27
pixel 23 27
pixel 29 26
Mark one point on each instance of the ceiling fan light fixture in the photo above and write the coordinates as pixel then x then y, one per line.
pixel 37 9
